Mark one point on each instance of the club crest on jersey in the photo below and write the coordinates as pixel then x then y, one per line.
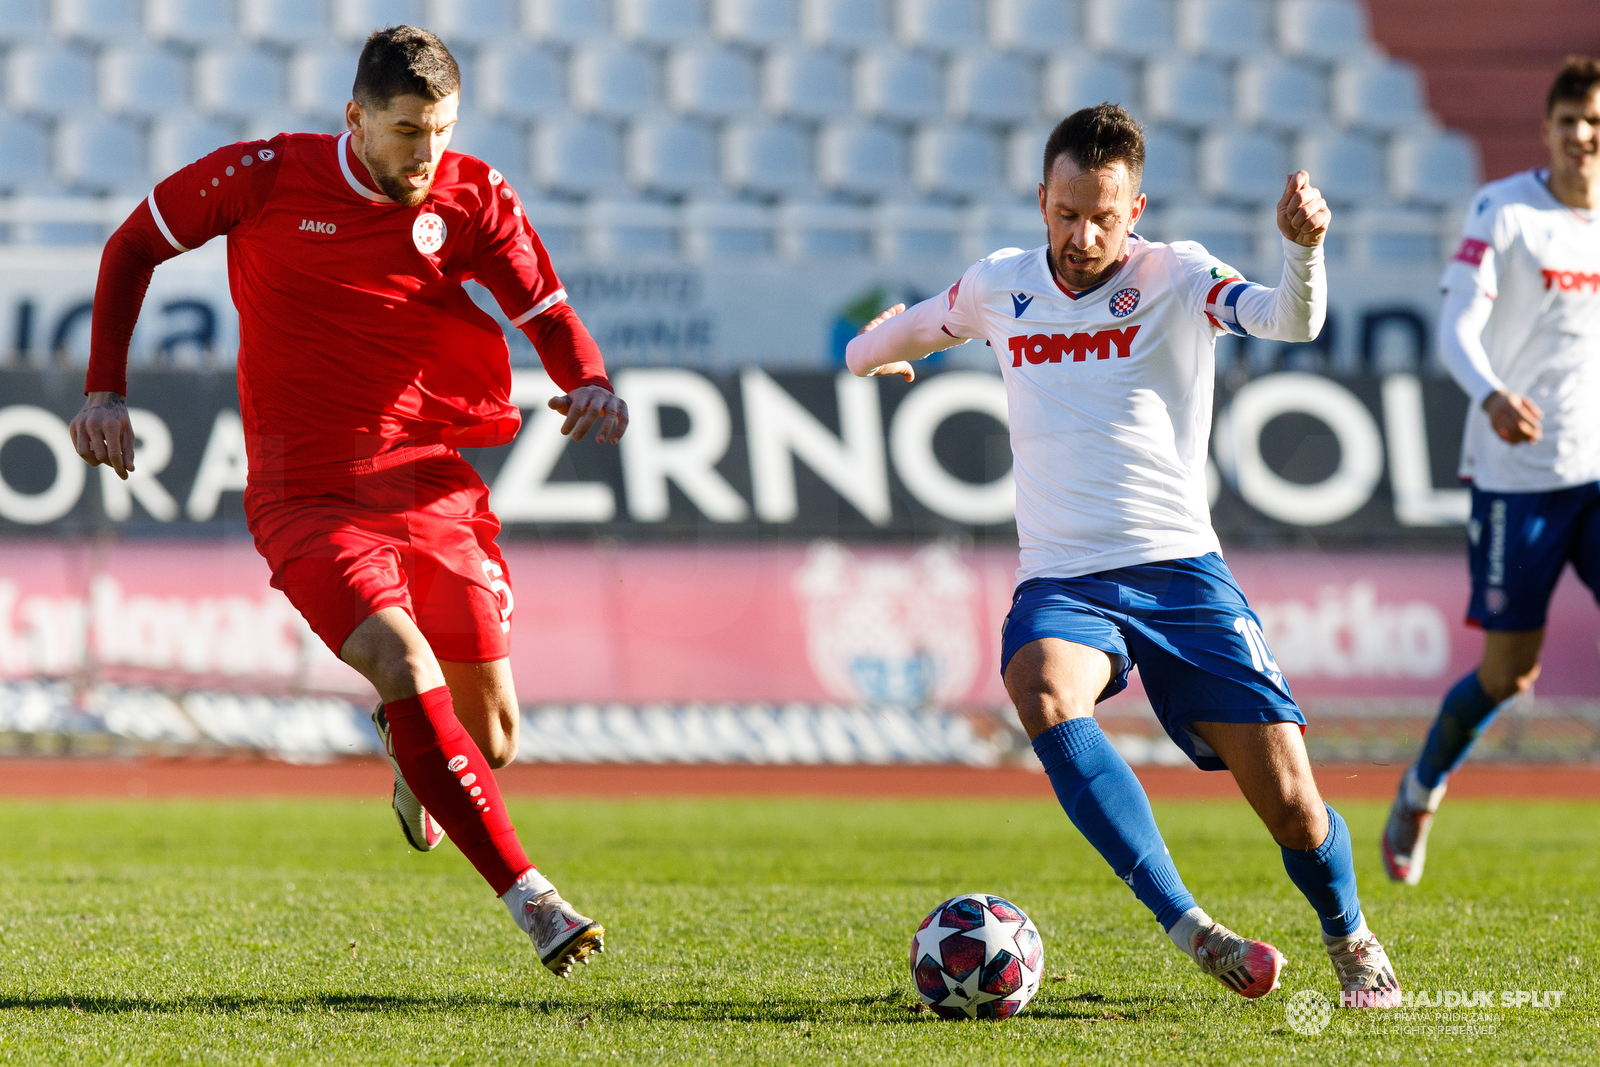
pixel 1123 301
pixel 1019 303
pixel 428 233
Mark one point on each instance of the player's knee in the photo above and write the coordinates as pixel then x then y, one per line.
pixel 1504 681
pixel 1298 823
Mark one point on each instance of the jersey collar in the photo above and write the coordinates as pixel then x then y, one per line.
pixel 1096 287
pixel 345 154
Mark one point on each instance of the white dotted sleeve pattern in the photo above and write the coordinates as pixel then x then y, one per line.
pixel 215 193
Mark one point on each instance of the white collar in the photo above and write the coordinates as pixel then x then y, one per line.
pixel 349 175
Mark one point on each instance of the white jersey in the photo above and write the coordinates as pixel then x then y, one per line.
pixel 1110 395
pixel 1540 262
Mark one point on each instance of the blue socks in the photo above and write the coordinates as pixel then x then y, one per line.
pixel 1098 791
pixel 1327 876
pixel 1466 713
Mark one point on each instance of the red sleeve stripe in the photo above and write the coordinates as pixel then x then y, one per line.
pixel 161 223
pixel 541 307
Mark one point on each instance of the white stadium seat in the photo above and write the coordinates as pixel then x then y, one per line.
pixel 1233 28
pixel 1243 166
pixel 956 161
pixel 631 228
pixel 1393 237
pixel 1281 93
pixel 896 84
pixel 845 23
pixel 101 155
pixel 610 79
pixel 1014 225
pixel 710 80
pixel 24 20
pixel 355 19
pixel 50 79
pixel 990 87
pixel 177 140
pixel 757 22
pixel 1323 29
pixel 767 157
pixel 267 123
pixel 479 22
pixel 576 155
pixel 1071 82
pixel 1434 167
pixel 1379 94
pixel 716 229
pixel 859 157
pixel 320 80
pixel 238 81
pixel 559 224
pixel 25 164
pixel 1169 166
pixel 1193 92
pixel 940 24
pixel 668 154
pixel 286 21
pixel 913 229
pixel 99 20
pixel 1042 26
pixel 501 143
pixel 521 82
pixel 1229 234
pixel 807 84
pixel 143 80
pixel 811 230
pixel 1025 158
pixel 660 21
pixel 1346 166
pixel 1130 27
pixel 191 21
pixel 567 20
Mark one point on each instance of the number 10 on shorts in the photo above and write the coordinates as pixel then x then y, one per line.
pixel 1260 656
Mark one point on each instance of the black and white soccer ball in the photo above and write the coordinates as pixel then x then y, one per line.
pixel 977 957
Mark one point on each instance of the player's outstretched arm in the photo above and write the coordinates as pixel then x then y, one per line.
pixel 897 337
pixel 101 433
pixel 1297 308
pixel 1515 418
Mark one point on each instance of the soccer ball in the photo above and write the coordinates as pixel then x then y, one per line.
pixel 977 957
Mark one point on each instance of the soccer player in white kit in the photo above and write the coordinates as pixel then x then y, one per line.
pixel 1520 332
pixel 1106 344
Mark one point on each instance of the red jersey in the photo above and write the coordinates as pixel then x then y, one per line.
pixel 356 337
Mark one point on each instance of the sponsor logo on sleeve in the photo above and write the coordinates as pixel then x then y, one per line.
pixel 265 154
pixel 1223 272
pixel 1471 252
pixel 1123 302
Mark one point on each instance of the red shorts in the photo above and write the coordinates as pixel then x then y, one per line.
pixel 418 536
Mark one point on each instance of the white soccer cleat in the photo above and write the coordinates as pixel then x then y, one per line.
pixel 1405 836
pixel 1249 968
pixel 560 935
pixel 1366 977
pixel 422 833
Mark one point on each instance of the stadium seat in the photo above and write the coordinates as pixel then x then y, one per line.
pixel 896 84
pixel 1024 155
pixel 1390 237
pixel 143 80
pixel 50 80
pixel 320 80
pixel 956 161
pixel 1346 166
pixel 1281 93
pixel 1192 92
pixel 632 228
pixel 1129 27
pixel 355 19
pixel 176 140
pixel 1070 82
pixel 807 84
pixel 919 230
pixel 610 79
pixel 659 21
pixel 566 21
pixel 710 80
pixel 286 21
pixel 25 164
pixel 521 82
pixel 1014 225
pixel 813 230
pixel 756 22
pixel 1229 234
pixel 1169 166
pixel 1434 167
pixel 1039 26
pixel 267 123
pixel 1378 94
pixel 99 20
pixel 24 20
pixel 1323 29
pixel 1243 166
pixel 859 157
pixel 478 22
pixel 716 229
pixel 559 224
pixel 576 155
pixel 501 143
pixel 767 157
pixel 237 81
pixel 939 24
pixel 101 155
pixel 1232 28
pixel 668 154
pixel 990 87
pixel 845 23
pixel 191 21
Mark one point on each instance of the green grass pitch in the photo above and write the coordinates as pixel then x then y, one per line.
pixel 744 931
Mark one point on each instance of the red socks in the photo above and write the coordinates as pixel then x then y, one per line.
pixel 445 770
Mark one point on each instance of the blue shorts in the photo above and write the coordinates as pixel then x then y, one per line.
pixel 1187 627
pixel 1517 546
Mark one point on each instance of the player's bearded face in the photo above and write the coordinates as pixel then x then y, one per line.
pixel 1088 214
pixel 402 143
pixel 1572 133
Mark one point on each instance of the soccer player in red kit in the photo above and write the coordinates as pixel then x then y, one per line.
pixel 363 366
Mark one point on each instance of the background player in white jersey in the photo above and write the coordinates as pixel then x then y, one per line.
pixel 1106 344
pixel 1520 331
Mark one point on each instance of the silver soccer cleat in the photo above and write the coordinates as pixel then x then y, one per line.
pixel 560 935
pixel 1405 836
pixel 422 833
pixel 1366 977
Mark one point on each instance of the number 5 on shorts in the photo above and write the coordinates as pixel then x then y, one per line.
pixel 498 586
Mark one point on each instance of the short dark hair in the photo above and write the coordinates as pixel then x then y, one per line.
pixel 1095 137
pixel 404 59
pixel 1575 80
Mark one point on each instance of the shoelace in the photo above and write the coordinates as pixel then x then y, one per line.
pixel 1359 960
